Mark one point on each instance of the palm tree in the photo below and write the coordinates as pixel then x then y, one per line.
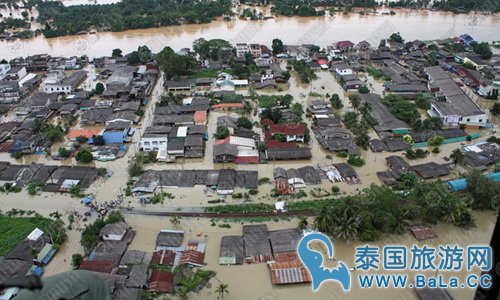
pixel 175 221
pixel 457 156
pixel 323 220
pixel 222 289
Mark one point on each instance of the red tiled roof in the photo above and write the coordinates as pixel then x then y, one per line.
pixel 222 141
pixel 200 116
pixel 288 129
pixel 5 146
pixel 271 144
pixel 102 266
pixel 193 257
pixel 88 133
pixel 247 160
pixel 323 61
pixel 344 44
pixel 162 282
pixel 227 105
pixel 163 257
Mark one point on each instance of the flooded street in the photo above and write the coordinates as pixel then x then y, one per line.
pixel 321 31
pixel 253 281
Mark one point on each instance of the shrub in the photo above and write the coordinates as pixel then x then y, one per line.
pixel 253 192
pixel 436 150
pixel 363 90
pixel 84 156
pixel 335 189
pixel 436 140
pixel 237 196
pixel 263 180
pixel 342 154
pixel 355 160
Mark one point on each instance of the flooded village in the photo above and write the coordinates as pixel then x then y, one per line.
pixel 193 173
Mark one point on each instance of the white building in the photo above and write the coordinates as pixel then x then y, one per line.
pixel 114 232
pixel 453 105
pixel 4 69
pixel 153 142
pixel 241 49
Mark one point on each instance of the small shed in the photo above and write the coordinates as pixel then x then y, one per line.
pixel 232 250
pixel 423 232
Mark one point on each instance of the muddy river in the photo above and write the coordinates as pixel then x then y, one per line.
pixel 292 30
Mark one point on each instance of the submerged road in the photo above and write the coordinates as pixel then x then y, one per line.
pixel 200 213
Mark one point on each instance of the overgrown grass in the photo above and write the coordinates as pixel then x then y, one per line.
pixel 13 230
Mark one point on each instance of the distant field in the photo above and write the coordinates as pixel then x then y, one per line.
pixel 15 229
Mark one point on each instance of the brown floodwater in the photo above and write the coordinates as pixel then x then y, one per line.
pixel 322 31
pixel 253 281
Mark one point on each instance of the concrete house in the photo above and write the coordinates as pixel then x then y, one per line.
pixel 453 105
pixel 114 232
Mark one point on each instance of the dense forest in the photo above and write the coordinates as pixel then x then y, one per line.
pixel 468 5
pixel 308 8
pixel 128 14
pixel 451 5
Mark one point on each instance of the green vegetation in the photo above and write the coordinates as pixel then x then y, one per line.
pixel 496 109
pixel 129 14
pixel 135 168
pixel 241 208
pixel 485 193
pixel 244 122
pixel 467 5
pixel 99 88
pixel 90 235
pixel 270 101
pixel 396 37
pixel 34 187
pixel 294 8
pixel 76 260
pixel 336 102
pixel 174 65
pixel 84 156
pixel 402 109
pixel 9 188
pixel 263 180
pixel 63 152
pixel 221 132
pixel 377 74
pixel 422 102
pixel 436 140
pixel 363 90
pixel 221 290
pixel 141 56
pixel 355 160
pixel 277 46
pixel 306 74
pixel 196 281
pixel 359 127
pixel 416 154
pixel 15 227
pixel 380 210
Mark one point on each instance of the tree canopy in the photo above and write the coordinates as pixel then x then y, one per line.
pixel 175 65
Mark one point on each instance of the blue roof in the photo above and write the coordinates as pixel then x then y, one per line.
pixel 461 184
pixel 49 256
pixel 38 271
pixel 112 137
pixel 457 184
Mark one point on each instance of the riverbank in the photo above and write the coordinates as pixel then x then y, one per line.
pixel 322 31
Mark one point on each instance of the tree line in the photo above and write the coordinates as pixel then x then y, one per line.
pixel 128 14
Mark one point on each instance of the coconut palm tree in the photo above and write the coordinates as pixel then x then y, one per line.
pixel 323 220
pixel 222 289
pixel 457 156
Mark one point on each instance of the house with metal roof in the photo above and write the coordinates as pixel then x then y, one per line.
pixel 452 104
